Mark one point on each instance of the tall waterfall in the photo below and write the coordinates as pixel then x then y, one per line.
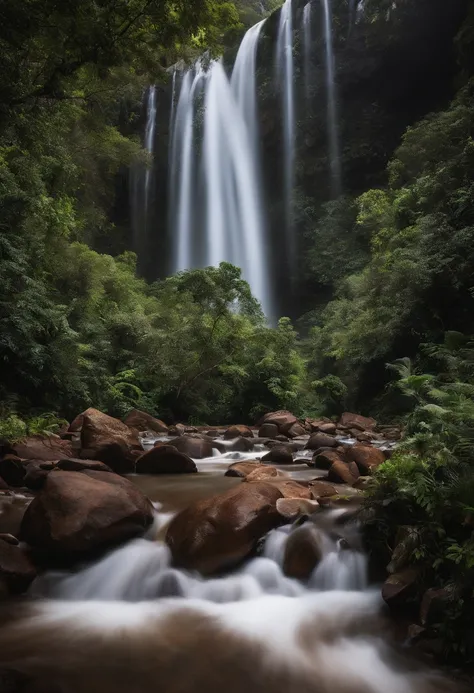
pixel 142 177
pixel 285 76
pixel 231 227
pixel 307 48
pixel 332 110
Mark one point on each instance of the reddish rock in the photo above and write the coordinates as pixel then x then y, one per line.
pixel 16 570
pixel 177 430
pixel 303 551
pixel 219 532
pixel 141 421
pixel 343 473
pixel 12 470
pixel 283 419
pixel 194 446
pixel 76 424
pixel 296 430
pixel 36 473
pixel 238 432
pixel 281 438
pixel 321 440
pixel 367 458
pixel 329 428
pixel 264 472
pixel 46 448
pixel 321 489
pixel 281 454
pixel 73 464
pixel 400 587
pixel 361 423
pixel 100 430
pixel 324 460
pixel 268 430
pixel 290 488
pixel 292 508
pixel 78 513
pixel 243 468
pixel 118 456
pixel 165 459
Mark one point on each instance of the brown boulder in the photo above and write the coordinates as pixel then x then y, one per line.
pixel 343 473
pixel 36 473
pixel 283 419
pixel 243 468
pixel 290 488
pixel 165 459
pixel 321 489
pixel 321 440
pixel 268 430
pixel 292 508
pixel 362 423
pixel 117 455
pixel 324 460
pixel 296 430
pixel 238 431
pixel 281 438
pixel 46 448
pixel 193 446
pixel 367 458
pixel 16 570
pixel 264 472
pixel 281 454
pixel 99 430
pixel 12 470
pixel 329 428
pixel 78 513
pixel 141 421
pixel 219 532
pixel 73 464
pixel 177 430
pixel 235 445
pixel 303 551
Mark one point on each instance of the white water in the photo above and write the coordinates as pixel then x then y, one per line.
pixel 285 76
pixel 332 111
pixel 307 48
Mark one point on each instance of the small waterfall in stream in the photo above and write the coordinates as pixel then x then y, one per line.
pixel 285 76
pixel 332 110
pixel 307 49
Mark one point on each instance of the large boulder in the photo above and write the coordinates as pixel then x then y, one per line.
pixel 36 473
pixel 99 430
pixel 219 532
pixel 141 421
pixel 79 513
pixel 325 459
pixel 46 448
pixel 321 489
pixel 289 488
pixel 196 446
pixel 283 419
pixel 366 457
pixel 361 423
pixel 321 440
pixel 238 431
pixel 243 468
pixel 165 459
pixel 16 570
pixel 296 430
pixel 303 551
pixel 264 472
pixel 281 454
pixel 74 464
pixel 268 430
pixel 343 473
pixel 116 455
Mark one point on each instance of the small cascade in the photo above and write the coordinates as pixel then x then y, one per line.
pixel 332 110
pixel 307 48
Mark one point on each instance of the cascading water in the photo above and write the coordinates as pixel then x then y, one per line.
pixel 332 111
pixel 142 177
pixel 234 229
pixel 285 77
pixel 307 48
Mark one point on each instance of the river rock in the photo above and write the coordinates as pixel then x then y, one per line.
pixel 16 569
pixel 12 470
pixel 321 489
pixel 400 587
pixel 74 464
pixel 283 419
pixel 325 459
pixel 321 440
pixel 264 472
pixel 296 430
pixel 116 455
pixel 243 468
pixel 289 488
pixel 343 473
pixel 238 431
pixel 219 532
pixel 177 430
pixel 303 551
pixel 165 459
pixel 361 423
pixel 194 446
pixel 78 513
pixel 99 429
pixel 36 473
pixel 329 428
pixel 292 508
pixel 46 448
pixel 141 421
pixel 281 454
pixel 268 430
pixel 366 457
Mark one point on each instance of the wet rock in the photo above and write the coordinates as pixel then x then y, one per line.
pixel 281 438
pixel 10 539
pixel 313 425
pixel 343 473
pixel 177 430
pixel 321 489
pixel 46 448
pixel 290 488
pixel 194 446
pixel 118 456
pixel 367 458
pixel 268 430
pixel 100 430
pixel 283 419
pixel 16 569
pixel 141 421
pixel 296 430
pixel 321 440
pixel 400 587
pixel 264 472
pixel 75 464
pixel 434 606
pixel 219 532
pixel 329 428
pixel 78 513
pixel 12 470
pixel 325 459
pixel 361 423
pixel 238 431
pixel 36 473
pixel 165 459
pixel 243 468
pixel 292 508
pixel 303 551
pixel 281 454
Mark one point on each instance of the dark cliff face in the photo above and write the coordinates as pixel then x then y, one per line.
pixel 390 72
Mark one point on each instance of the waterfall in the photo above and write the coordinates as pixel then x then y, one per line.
pixel 285 76
pixel 332 111
pixel 232 228
pixel 149 141
pixel 307 47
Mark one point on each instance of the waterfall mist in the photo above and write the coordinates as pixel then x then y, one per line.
pixel 307 48
pixel 332 111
